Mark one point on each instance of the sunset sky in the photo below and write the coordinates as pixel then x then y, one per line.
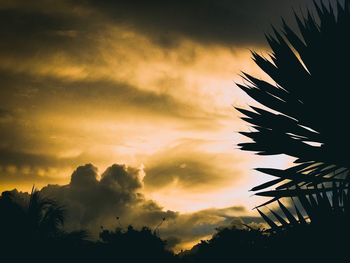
pixel 145 84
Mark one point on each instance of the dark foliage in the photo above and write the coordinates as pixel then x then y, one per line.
pixel 304 116
pixel 32 228
pixel 134 245
pixel 315 239
pixel 227 242
pixel 307 107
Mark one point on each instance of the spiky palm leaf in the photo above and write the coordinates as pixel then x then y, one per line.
pixel 44 216
pixel 33 218
pixel 307 108
pixel 319 209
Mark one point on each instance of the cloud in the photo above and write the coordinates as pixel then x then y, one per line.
pixel 84 177
pixel 93 201
pixel 5 114
pixel 32 29
pixel 49 122
pixel 189 165
pixel 22 159
pixel 190 228
pixel 104 95
pixel 24 169
pixel 191 170
pixel 121 178
pixel 100 80
pixel 224 22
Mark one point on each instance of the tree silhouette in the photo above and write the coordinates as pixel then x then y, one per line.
pixel 33 225
pixel 35 218
pixel 228 242
pixel 135 245
pixel 305 111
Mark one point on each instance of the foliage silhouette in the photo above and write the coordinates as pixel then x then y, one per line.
pixel 321 211
pixel 34 226
pixel 238 241
pixel 38 218
pixel 312 242
pixel 306 108
pixel 144 242
pixel 303 116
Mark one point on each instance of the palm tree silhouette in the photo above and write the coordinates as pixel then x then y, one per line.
pixel 305 111
pixel 37 219
pixel 33 225
pixel 44 216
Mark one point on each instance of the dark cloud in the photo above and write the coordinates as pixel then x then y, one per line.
pixel 4 114
pixel 28 168
pixel 15 177
pixel 188 171
pixel 91 202
pixel 121 178
pixel 26 97
pixel 19 158
pixel 239 22
pixel 20 90
pixel 202 224
pixel 40 28
pixel 189 167
pixel 84 176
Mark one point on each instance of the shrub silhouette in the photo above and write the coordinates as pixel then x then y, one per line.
pixel 134 245
pixel 229 242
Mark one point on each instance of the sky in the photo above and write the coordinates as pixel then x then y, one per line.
pixel 127 108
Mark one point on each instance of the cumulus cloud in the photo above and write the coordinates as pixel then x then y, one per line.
pixel 93 202
pixel 115 199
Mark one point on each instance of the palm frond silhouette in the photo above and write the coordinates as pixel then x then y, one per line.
pixel 44 215
pixel 37 218
pixel 321 210
pixel 305 111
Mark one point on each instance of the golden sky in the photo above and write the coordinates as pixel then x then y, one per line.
pixel 150 86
